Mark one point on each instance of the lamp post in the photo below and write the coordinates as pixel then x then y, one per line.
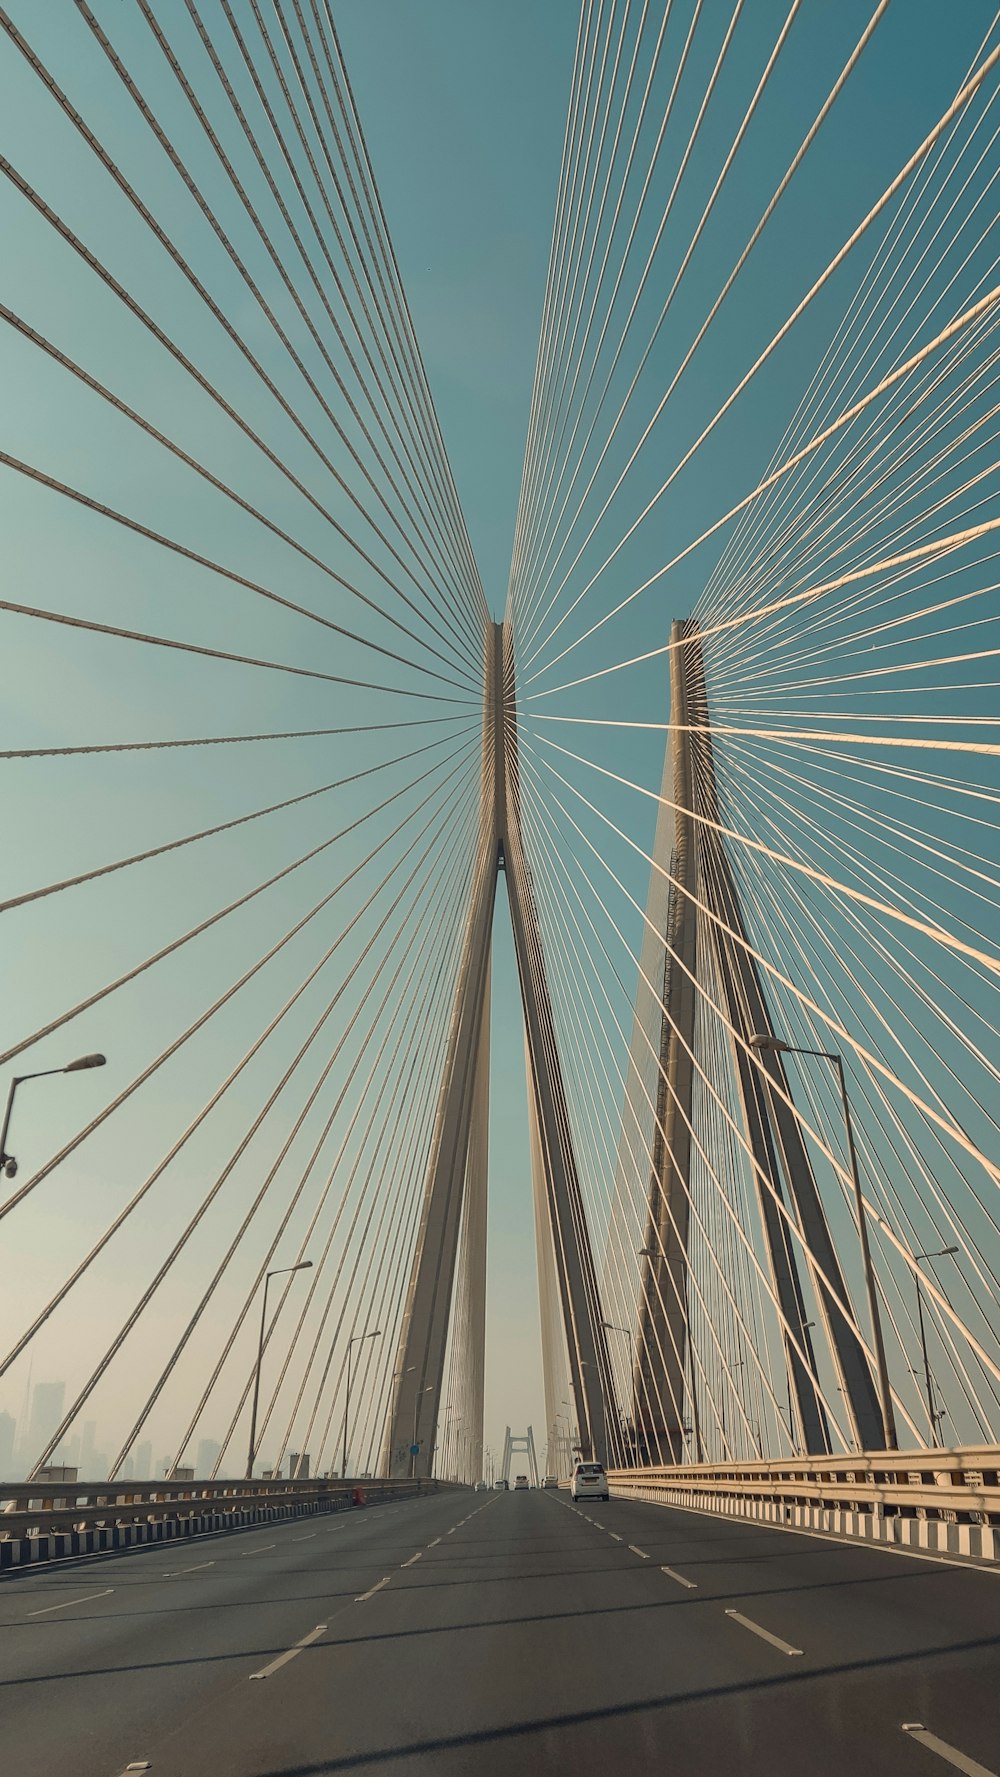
pixel 774 1046
pixel 806 1324
pixel 935 1416
pixel 283 1271
pixel 396 1374
pixel 738 1363
pixel 7 1161
pixel 356 1339
pixel 648 1252
pixel 416 1410
pixel 609 1326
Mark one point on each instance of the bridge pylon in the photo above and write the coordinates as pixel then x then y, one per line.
pixel 704 915
pixel 515 1441
pixel 453 1209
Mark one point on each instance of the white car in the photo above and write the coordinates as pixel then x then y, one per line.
pixel 589 1481
pixel 520 1482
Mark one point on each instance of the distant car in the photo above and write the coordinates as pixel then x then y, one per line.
pixel 480 1487
pixel 589 1481
pixel 520 1483
pixel 502 1486
pixel 550 1481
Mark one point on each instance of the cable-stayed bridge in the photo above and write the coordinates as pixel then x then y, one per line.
pixel 276 763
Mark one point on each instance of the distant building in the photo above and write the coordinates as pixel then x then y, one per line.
pixel 88 1442
pixel 206 1458
pixel 298 1466
pixel 8 1432
pixel 45 1417
pixel 142 1460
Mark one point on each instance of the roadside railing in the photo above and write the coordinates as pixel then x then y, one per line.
pixel 939 1500
pixel 77 1518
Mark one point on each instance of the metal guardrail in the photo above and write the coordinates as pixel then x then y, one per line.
pixel 931 1499
pixel 36 1508
pixel 910 1482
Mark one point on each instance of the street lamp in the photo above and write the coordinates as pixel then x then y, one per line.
pixel 452 1444
pixel 7 1161
pixel 806 1324
pixel 284 1271
pixel 413 1441
pixel 396 1374
pixel 445 1444
pixel 936 1416
pixel 774 1046
pixel 356 1339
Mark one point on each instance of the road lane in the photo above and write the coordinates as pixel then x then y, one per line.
pixel 458 1633
pixel 90 1681
pixel 532 1639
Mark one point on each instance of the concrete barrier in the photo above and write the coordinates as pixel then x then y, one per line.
pixel 171 1524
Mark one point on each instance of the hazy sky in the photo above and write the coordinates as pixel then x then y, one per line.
pixel 464 104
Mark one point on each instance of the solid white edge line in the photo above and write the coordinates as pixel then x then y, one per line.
pixel 692 1585
pixel 960 1760
pixel 765 1634
pixel 67 1603
pixel 970 1564
pixel 290 1654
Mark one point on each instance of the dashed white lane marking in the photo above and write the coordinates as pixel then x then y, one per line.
pixel 304 1539
pixel 68 1602
pixel 283 1659
pixel 178 1571
pixel 692 1585
pixel 262 1550
pixel 139 1764
pixel 960 1760
pixel 765 1634
pixel 413 1558
pixel 634 1551
pixel 614 1533
pixel 434 1544
pixel 370 1594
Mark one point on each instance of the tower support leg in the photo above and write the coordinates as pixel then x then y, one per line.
pixel 423 1338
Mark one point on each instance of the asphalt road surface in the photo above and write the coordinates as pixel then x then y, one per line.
pixel 501 1633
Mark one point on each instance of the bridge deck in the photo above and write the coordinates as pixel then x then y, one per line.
pixel 515 1632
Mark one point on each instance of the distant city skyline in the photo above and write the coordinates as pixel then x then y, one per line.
pixel 22 1439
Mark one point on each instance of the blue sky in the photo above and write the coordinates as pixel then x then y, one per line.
pixel 464 111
